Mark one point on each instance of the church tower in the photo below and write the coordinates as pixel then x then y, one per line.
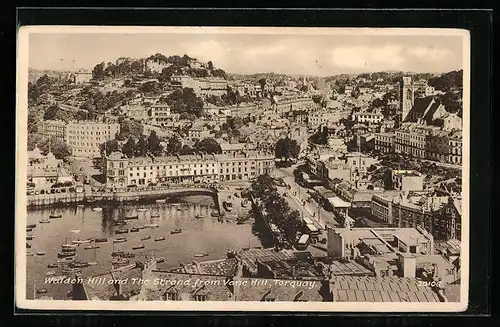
pixel 406 97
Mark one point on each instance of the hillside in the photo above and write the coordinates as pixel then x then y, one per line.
pixel 34 74
pixel 173 65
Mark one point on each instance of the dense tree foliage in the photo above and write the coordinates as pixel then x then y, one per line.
pixel 129 127
pixel 286 148
pixel 174 145
pixel 448 81
pixel 58 147
pixel 109 147
pixel 208 145
pixel 185 101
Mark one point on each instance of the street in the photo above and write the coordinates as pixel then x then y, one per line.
pixel 297 195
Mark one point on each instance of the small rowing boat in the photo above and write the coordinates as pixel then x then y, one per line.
pixel 28 246
pixel 91 247
pixel 40 253
pixel 176 231
pixel 131 217
pixel 138 247
pixel 44 221
pixel 52 265
pixel 199 216
pixel 199 255
pixel 159 259
pixel 134 230
pixel 29 253
pixel 121 231
pixel 101 240
pixel 142 209
pixel 155 216
pixel 145 238
pixel 160 238
pixel 66 254
pixel 151 226
pixel 66 260
pixel 29 230
pixel 31 226
pixel 98 209
pixel 54 216
pixel 161 201
pixel 29 237
pixel 120 240
pixel 50 273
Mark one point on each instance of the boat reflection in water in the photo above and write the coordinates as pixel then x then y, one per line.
pixel 88 236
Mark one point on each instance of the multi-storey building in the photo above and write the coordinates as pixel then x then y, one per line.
pixel 121 171
pixel 407 180
pixel 367 117
pixel 85 137
pixel 437 146
pixel 159 113
pixel 156 66
pixel 384 142
pixel 202 86
pixel 455 148
pixel 135 111
pixel 411 139
pixel 82 77
pixel 53 128
pixel 319 118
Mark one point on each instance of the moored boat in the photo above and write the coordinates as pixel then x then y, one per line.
pixel 44 221
pixel 66 259
pixel 31 226
pixel 199 216
pixel 82 241
pixel 134 230
pixel 68 270
pixel 50 273
pixel 66 254
pixel 131 217
pixel 28 246
pixel 29 230
pixel 142 209
pixel 41 291
pixel 91 247
pixel 78 264
pixel 121 231
pixel 29 237
pixel 120 261
pixel 97 209
pixel 119 240
pixel 198 255
pixel 160 259
pixel 40 253
pixel 160 238
pixel 145 238
pixel 101 240
pixel 80 206
pixel 151 226
pixel 161 200
pixel 54 216
pixel 176 231
pixel 117 253
pixel 29 253
pixel 138 247
pixel 52 265
pixel 68 249
pixel 155 216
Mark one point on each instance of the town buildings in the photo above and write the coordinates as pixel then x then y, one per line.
pixel 155 65
pixel 81 77
pixel 204 87
pixel 53 128
pixel 85 137
pixel 121 171
pixel 367 117
pixel 407 180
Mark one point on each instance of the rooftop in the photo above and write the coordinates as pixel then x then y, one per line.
pixel 380 289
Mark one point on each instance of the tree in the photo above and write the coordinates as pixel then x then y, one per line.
pixel 129 148
pixel 98 71
pixel 185 150
pixel 174 145
pixel 153 144
pixel 210 65
pixel 51 112
pixel 109 146
pixel 263 186
pixel 209 145
pixel 129 127
pixel 142 147
pixel 286 148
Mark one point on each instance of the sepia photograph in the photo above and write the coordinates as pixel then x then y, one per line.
pixel 216 168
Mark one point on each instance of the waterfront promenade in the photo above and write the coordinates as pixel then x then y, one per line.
pixel 43 200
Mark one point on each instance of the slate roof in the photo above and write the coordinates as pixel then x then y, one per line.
pixel 380 289
pixel 279 290
pixel 224 267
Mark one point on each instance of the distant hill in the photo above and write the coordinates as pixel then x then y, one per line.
pixel 34 74
pixel 448 81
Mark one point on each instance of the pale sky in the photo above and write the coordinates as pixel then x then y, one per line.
pixel 319 55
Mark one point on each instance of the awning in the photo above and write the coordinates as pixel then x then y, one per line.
pixel 337 202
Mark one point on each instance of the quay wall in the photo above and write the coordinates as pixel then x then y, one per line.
pixel 63 199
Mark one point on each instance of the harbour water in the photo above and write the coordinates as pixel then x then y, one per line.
pixel 201 233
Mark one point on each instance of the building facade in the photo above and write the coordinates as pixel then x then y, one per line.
pixel 84 138
pixel 142 171
pixel 53 128
pixel 384 142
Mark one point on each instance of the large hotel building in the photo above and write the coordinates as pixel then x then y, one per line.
pixel 84 138
pixel 121 171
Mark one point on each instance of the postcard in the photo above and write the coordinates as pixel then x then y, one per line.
pixel 217 168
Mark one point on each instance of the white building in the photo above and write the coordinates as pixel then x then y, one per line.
pixel 85 137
